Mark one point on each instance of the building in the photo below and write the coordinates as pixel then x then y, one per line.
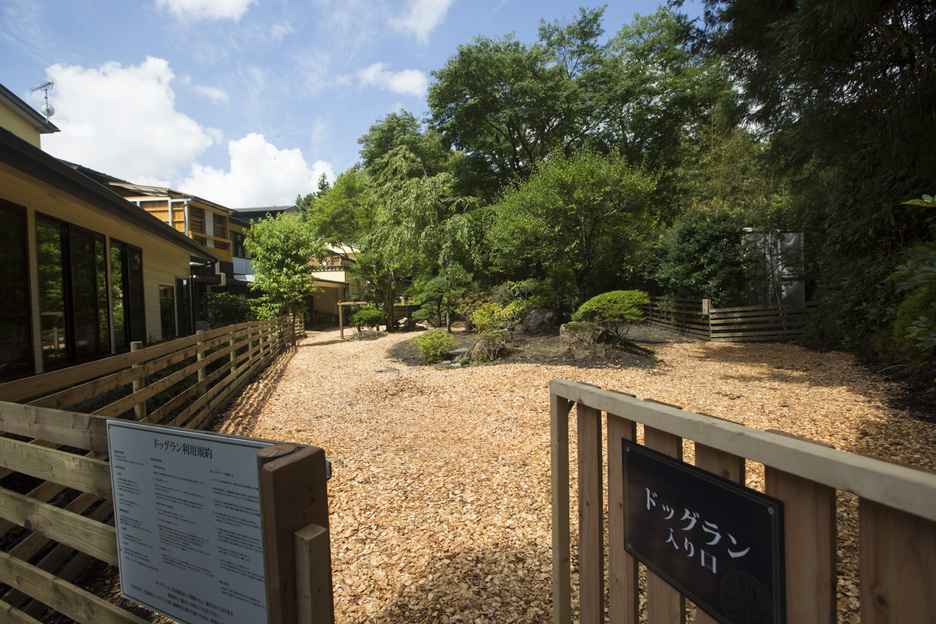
pixel 22 120
pixel 85 271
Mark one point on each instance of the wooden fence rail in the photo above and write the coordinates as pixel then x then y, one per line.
pixel 738 324
pixel 896 508
pixel 77 526
pixel 181 382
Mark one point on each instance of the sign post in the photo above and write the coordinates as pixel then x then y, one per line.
pixel 188 519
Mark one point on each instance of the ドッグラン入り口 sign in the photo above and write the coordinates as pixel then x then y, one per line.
pixel 717 542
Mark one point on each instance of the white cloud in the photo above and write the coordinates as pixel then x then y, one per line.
pixel 186 10
pixel 409 81
pixel 122 120
pixel 279 31
pixel 260 175
pixel 212 93
pixel 423 17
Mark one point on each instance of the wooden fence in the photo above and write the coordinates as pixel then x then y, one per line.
pixel 65 524
pixel 182 382
pixel 55 496
pixel 738 324
pixel 897 514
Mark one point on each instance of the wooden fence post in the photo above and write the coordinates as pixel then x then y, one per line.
pixel 200 356
pixel 139 410
pixel 294 515
pixel 561 549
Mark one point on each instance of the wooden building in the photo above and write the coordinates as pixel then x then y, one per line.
pixel 85 271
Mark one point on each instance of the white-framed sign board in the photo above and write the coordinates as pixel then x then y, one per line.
pixel 187 510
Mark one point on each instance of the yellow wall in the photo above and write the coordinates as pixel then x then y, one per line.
pixel 163 261
pixel 18 126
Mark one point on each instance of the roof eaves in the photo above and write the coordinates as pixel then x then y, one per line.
pixel 32 161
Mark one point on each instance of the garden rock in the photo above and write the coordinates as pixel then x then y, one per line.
pixel 582 340
pixel 542 322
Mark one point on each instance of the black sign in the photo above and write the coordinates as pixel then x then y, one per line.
pixel 717 542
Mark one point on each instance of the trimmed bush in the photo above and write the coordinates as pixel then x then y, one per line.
pixel 433 346
pixel 224 308
pixel 369 316
pixel 616 311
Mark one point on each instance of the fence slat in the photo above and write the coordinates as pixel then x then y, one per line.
pixel 82 606
pixel 591 516
pixel 91 537
pixel 561 549
pixel 898 565
pixel 82 473
pixel 67 428
pixel 727 466
pixel 665 605
pixel 623 607
pixel 809 542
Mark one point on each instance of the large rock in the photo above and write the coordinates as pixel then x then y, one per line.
pixel 542 322
pixel 582 340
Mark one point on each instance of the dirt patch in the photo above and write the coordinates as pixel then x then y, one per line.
pixel 440 503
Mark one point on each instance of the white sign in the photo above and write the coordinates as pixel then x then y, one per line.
pixel 187 509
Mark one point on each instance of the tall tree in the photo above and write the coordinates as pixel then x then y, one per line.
pixel 846 93
pixel 281 250
pixel 511 104
pixel 577 218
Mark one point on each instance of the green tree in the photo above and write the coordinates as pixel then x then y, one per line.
pixel 705 255
pixel 510 105
pixel 577 219
pixel 281 249
pixel 846 94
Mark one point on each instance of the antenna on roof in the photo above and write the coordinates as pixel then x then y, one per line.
pixel 46 109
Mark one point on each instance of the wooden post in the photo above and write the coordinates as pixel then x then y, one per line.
pixel 665 605
pixel 591 516
pixel 233 356
pixel 293 496
pixel 561 549
pixel 139 410
pixel 622 567
pixel 341 319
pixel 200 356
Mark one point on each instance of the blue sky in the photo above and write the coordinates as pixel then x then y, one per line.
pixel 243 102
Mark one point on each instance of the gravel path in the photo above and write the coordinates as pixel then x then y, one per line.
pixel 440 501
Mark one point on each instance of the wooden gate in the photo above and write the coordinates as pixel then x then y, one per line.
pixel 897 513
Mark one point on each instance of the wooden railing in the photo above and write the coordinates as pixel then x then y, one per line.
pixel 896 509
pixel 738 324
pixel 65 524
pixel 182 382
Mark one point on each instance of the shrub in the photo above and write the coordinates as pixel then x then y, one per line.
pixel 433 346
pixel 488 316
pixel 369 316
pixel 224 308
pixel 489 346
pixel 915 325
pixel 616 311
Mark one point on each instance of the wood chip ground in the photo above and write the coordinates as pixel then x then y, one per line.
pixel 440 501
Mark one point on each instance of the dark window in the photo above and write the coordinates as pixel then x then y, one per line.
pixel 16 355
pixel 72 293
pixel 183 307
pixel 127 294
pixel 237 245
pixel 167 312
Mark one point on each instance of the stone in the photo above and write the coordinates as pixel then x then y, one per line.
pixel 457 355
pixel 542 322
pixel 582 340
